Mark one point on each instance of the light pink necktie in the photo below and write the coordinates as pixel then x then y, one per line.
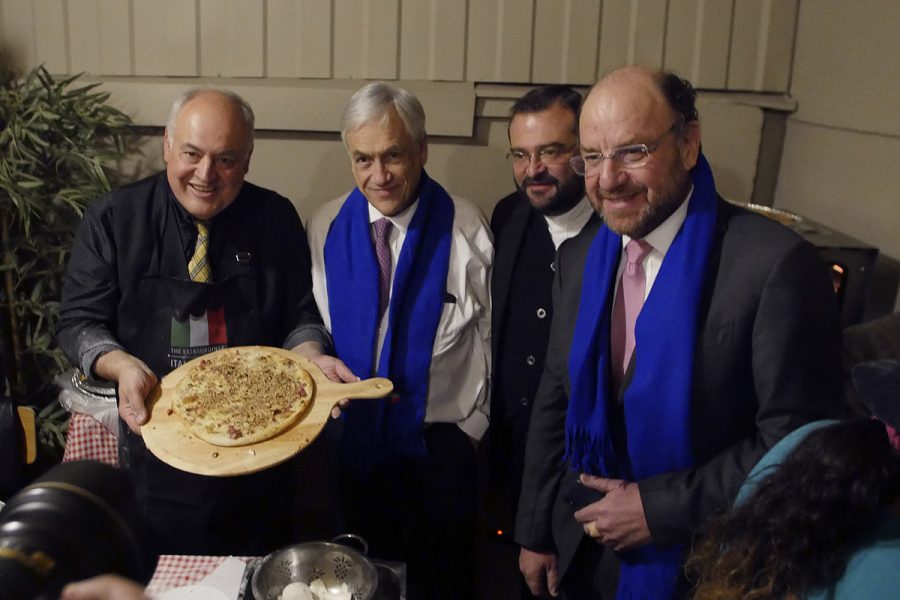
pixel 627 306
pixel 383 253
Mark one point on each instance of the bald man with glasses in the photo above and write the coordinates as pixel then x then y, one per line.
pixel 689 336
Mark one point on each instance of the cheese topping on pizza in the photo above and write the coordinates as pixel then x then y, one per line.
pixel 241 396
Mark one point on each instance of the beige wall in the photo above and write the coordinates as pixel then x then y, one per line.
pixel 298 61
pixel 842 146
pixel 720 44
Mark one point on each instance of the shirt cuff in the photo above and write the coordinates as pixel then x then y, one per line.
pixel 310 333
pixel 475 425
pixel 90 356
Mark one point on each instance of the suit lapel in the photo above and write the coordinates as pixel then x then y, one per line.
pixel 504 264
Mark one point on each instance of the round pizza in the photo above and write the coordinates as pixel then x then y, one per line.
pixel 241 396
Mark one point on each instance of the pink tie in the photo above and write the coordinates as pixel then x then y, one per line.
pixel 383 253
pixel 629 300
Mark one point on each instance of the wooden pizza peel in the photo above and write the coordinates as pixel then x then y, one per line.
pixel 171 442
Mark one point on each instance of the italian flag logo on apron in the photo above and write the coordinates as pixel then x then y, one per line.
pixel 197 335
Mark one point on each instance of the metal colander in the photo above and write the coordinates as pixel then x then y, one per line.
pixel 331 562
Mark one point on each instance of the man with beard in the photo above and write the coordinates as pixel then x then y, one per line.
pixel 690 335
pixel 529 225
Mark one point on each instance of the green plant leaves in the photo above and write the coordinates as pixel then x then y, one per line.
pixel 58 141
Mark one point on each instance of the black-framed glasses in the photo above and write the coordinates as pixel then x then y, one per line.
pixel 629 157
pixel 549 155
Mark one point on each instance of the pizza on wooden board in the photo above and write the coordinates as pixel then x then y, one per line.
pixel 242 396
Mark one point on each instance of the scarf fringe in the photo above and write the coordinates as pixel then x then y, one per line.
pixel 583 445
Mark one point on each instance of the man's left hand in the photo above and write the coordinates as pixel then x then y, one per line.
pixel 617 520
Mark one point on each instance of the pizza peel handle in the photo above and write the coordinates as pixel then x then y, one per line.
pixel 376 387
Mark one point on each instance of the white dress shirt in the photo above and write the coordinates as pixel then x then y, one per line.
pixel 660 238
pixel 460 363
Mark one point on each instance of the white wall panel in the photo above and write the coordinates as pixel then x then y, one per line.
pixel 697 41
pixel 500 40
pixel 566 41
pixel 51 44
pixel 718 44
pixel 231 38
pixel 18 41
pixel 762 40
pixel 165 38
pixel 84 36
pixel 433 40
pixel 298 40
pixel 366 39
pixel 734 164
pixel 631 32
pixel 818 180
pixel 100 36
pixel 847 66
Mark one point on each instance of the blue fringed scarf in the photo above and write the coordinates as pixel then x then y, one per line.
pixel 658 398
pixel 377 429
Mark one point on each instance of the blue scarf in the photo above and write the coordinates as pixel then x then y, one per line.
pixel 657 400
pixel 375 430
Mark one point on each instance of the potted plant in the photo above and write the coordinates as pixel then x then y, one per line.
pixel 57 144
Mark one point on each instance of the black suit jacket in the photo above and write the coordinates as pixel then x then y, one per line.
pixel 509 225
pixel 512 227
pixel 509 222
pixel 767 360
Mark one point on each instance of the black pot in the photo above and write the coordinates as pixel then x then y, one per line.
pixel 74 522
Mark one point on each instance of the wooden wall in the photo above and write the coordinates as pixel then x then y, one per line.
pixel 733 45
pixel 298 61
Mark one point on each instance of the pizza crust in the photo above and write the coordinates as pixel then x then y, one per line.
pixel 243 396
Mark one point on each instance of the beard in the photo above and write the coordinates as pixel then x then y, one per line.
pixel 659 205
pixel 567 193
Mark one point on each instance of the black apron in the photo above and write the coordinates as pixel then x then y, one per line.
pixel 195 514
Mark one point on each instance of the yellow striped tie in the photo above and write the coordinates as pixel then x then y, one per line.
pixel 198 266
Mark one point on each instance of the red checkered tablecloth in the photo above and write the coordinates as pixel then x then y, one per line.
pixel 177 570
pixel 87 438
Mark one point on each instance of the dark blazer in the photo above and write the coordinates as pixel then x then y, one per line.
pixel 509 222
pixel 767 360
pixel 514 223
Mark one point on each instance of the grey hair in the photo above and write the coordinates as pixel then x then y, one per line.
pixel 180 101
pixel 375 101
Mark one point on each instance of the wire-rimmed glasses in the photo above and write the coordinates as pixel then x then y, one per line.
pixel 629 157
pixel 549 155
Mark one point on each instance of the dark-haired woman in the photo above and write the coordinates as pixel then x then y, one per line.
pixel 818 518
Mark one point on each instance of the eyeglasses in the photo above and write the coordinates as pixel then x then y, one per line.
pixel 629 157
pixel 549 155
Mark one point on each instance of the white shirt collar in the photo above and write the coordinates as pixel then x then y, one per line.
pixel 400 221
pixel 568 224
pixel 663 236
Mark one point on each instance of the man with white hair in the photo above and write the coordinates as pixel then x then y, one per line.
pixel 185 262
pixel 400 275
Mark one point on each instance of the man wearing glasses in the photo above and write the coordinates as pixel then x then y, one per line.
pixel 547 208
pixel 690 336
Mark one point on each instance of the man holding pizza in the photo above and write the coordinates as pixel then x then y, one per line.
pixel 400 274
pixel 185 262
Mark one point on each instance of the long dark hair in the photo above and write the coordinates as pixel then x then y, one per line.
pixel 798 528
